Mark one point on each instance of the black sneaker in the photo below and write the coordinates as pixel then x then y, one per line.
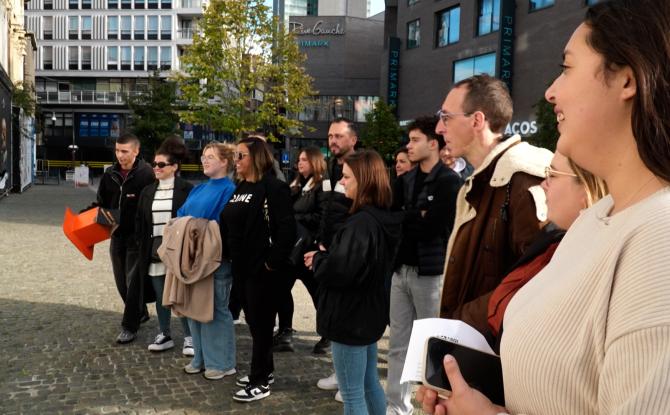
pixel 161 343
pixel 283 340
pixel 322 346
pixel 244 380
pixel 252 393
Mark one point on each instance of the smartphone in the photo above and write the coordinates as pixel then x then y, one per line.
pixel 482 371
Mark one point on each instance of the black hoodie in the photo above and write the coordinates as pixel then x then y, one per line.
pixel 352 305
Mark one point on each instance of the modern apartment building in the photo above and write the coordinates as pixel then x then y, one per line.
pixel 93 53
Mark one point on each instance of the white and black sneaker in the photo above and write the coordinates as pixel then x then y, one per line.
pixel 187 349
pixel 252 393
pixel 244 380
pixel 161 343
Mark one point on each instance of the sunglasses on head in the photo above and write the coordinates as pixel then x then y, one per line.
pixel 161 164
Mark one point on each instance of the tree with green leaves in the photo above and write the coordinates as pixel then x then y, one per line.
pixel 243 71
pixel 547 131
pixel 153 112
pixel 381 131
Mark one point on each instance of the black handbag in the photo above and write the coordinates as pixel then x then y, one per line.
pixel 156 241
pixel 304 240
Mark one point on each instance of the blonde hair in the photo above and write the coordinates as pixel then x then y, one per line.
pixel 224 152
pixel 595 187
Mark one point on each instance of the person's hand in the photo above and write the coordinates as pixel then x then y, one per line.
pixel 463 399
pixel 309 258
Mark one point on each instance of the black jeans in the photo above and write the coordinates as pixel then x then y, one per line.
pixel 129 283
pixel 285 305
pixel 257 294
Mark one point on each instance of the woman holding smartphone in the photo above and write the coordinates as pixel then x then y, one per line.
pixel 352 306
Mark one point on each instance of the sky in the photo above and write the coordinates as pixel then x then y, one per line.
pixel 376 6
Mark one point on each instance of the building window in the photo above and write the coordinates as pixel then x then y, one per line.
pixel 153 4
pixel 166 27
pixel 73 32
pixel 47 57
pixel 312 7
pixel 166 58
pixel 86 27
pixel 73 57
pixel 47 27
pixel 139 27
pixel 48 4
pixel 126 27
pixel 112 58
pixel 126 4
pixel 139 58
pixel 86 58
pixel 166 4
pixel 489 17
pixel 540 4
pixel 126 58
pixel 448 24
pixel 152 58
pixel 139 4
pixel 112 27
pixel 112 4
pixel 413 34
pixel 466 68
pixel 85 4
pixel 152 27
pixel 74 4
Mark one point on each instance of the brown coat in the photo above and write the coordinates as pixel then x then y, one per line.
pixel 500 210
pixel 191 252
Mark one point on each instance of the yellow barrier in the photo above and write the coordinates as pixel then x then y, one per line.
pixel 101 164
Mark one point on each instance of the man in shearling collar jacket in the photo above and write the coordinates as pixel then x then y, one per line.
pixel 500 208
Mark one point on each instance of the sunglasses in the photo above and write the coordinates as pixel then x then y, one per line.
pixel 160 164
pixel 239 155
pixel 550 173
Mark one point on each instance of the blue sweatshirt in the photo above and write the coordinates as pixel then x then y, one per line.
pixel 208 199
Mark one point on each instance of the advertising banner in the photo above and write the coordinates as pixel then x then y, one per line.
pixel 5 133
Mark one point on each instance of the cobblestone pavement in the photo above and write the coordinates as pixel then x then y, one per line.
pixel 60 314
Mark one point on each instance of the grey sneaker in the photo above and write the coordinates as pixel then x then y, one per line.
pixel 125 337
pixel 214 374
pixel 191 370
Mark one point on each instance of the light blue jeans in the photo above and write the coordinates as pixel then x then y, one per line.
pixel 214 342
pixel 164 313
pixel 357 377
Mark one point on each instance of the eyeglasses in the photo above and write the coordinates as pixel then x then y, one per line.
pixel 160 164
pixel 550 173
pixel 446 116
pixel 238 155
pixel 208 158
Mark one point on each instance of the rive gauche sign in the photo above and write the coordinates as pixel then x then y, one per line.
pixel 318 29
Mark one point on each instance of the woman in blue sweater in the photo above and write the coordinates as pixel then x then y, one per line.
pixel 214 342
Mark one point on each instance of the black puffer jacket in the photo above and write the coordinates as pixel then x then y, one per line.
pixel 335 206
pixel 116 193
pixel 352 305
pixel 308 197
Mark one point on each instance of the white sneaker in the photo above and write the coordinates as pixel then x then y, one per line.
pixel 161 343
pixel 329 383
pixel 214 374
pixel 187 350
pixel 338 397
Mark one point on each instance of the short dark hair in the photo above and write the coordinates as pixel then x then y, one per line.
pixel 402 149
pixel 128 138
pixel 374 186
pixel 427 125
pixel 261 158
pixel 350 124
pixel 174 149
pixel 636 34
pixel 490 96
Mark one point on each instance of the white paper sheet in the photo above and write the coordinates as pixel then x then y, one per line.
pixel 455 331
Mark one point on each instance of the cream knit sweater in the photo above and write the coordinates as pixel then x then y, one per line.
pixel 590 334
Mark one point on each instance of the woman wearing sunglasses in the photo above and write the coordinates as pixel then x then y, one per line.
pixel 258 228
pixel 214 342
pixel 158 203
pixel 590 334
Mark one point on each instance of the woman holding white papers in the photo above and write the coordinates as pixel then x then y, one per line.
pixel 590 334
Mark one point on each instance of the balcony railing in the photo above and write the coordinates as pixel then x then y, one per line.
pixel 190 4
pixel 84 97
pixel 185 33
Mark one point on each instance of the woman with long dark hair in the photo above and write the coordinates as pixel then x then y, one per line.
pixel 352 305
pixel 590 334
pixel 157 204
pixel 258 230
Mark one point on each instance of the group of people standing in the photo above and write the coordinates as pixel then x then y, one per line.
pixel 558 259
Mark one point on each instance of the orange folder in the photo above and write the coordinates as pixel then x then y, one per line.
pixel 88 228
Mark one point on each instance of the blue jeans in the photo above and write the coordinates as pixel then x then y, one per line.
pixel 214 342
pixel 357 377
pixel 164 312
